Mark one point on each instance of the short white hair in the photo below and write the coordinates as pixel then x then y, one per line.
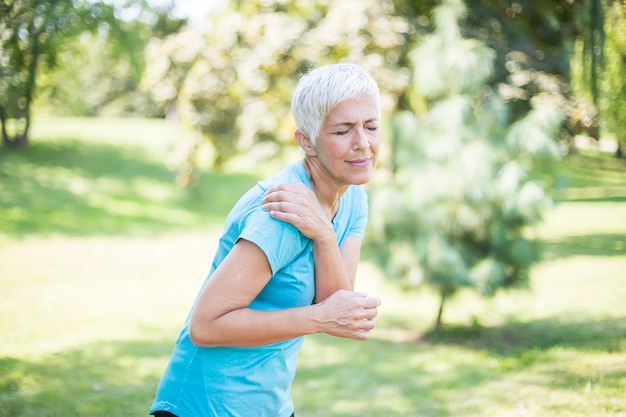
pixel 322 89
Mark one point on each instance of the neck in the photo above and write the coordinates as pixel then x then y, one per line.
pixel 326 191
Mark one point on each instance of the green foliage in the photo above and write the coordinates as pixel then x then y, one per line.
pixel 544 48
pixel 614 84
pixel 467 183
pixel 101 69
pixel 592 19
pixel 95 80
pixel 30 31
pixel 233 82
pixel 91 57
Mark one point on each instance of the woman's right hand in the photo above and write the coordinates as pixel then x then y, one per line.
pixel 297 205
pixel 348 314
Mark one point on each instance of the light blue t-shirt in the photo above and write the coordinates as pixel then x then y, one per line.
pixel 255 381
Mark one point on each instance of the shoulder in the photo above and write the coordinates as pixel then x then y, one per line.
pixel 291 174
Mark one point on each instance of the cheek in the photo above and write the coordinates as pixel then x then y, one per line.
pixel 337 149
pixel 375 143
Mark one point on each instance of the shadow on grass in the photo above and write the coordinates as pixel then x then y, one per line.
pixel 75 187
pixel 589 245
pixel 594 177
pixel 443 374
pixel 515 338
pixel 107 378
pixel 605 199
pixel 370 379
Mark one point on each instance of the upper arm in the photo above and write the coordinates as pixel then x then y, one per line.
pixel 234 284
pixel 351 253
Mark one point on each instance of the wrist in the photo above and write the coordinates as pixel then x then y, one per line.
pixel 316 317
pixel 327 238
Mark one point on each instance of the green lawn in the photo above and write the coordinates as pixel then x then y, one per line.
pixel 101 256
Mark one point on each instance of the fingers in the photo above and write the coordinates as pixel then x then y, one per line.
pixel 368 302
pixel 352 314
pixel 369 305
pixel 286 192
pixel 291 198
pixel 362 329
pixel 372 302
pixel 295 187
pixel 288 198
pixel 297 204
pixel 369 313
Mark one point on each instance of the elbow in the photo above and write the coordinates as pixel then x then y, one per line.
pixel 200 335
pixel 195 335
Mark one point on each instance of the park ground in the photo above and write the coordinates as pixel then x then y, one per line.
pixel 101 255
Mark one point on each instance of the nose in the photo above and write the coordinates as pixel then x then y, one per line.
pixel 361 141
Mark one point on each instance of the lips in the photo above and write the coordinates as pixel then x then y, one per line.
pixel 360 162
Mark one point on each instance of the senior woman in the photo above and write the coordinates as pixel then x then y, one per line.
pixel 286 262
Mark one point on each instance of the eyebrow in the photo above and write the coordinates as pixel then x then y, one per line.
pixel 375 119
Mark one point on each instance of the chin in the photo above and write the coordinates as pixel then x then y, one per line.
pixel 361 179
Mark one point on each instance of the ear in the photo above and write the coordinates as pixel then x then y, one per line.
pixel 305 143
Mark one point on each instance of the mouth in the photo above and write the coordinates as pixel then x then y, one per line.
pixel 363 162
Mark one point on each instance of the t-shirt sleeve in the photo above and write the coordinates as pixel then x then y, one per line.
pixel 280 241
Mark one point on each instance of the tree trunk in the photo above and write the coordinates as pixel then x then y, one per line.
pixel 439 323
pixel 22 141
pixel 3 120
pixel 19 139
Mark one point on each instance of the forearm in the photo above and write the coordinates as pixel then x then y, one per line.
pixel 331 273
pixel 344 314
pixel 246 327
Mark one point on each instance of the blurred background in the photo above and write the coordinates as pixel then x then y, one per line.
pixel 497 231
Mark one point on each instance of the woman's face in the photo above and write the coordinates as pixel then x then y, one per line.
pixel 348 142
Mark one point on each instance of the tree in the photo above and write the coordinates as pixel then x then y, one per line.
pixel 535 47
pixel 207 77
pixel 467 183
pixel 101 71
pixel 614 84
pixel 34 34
pixel 233 82
pixel 30 31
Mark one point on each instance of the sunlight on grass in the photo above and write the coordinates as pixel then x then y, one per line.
pixel 85 289
pixel 594 176
pixel 153 135
pixel 585 218
pixel 105 180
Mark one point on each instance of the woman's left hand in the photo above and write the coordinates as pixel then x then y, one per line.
pixel 297 204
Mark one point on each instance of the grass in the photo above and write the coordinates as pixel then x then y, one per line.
pixel 110 179
pixel 101 255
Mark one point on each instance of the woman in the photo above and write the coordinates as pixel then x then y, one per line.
pixel 286 262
